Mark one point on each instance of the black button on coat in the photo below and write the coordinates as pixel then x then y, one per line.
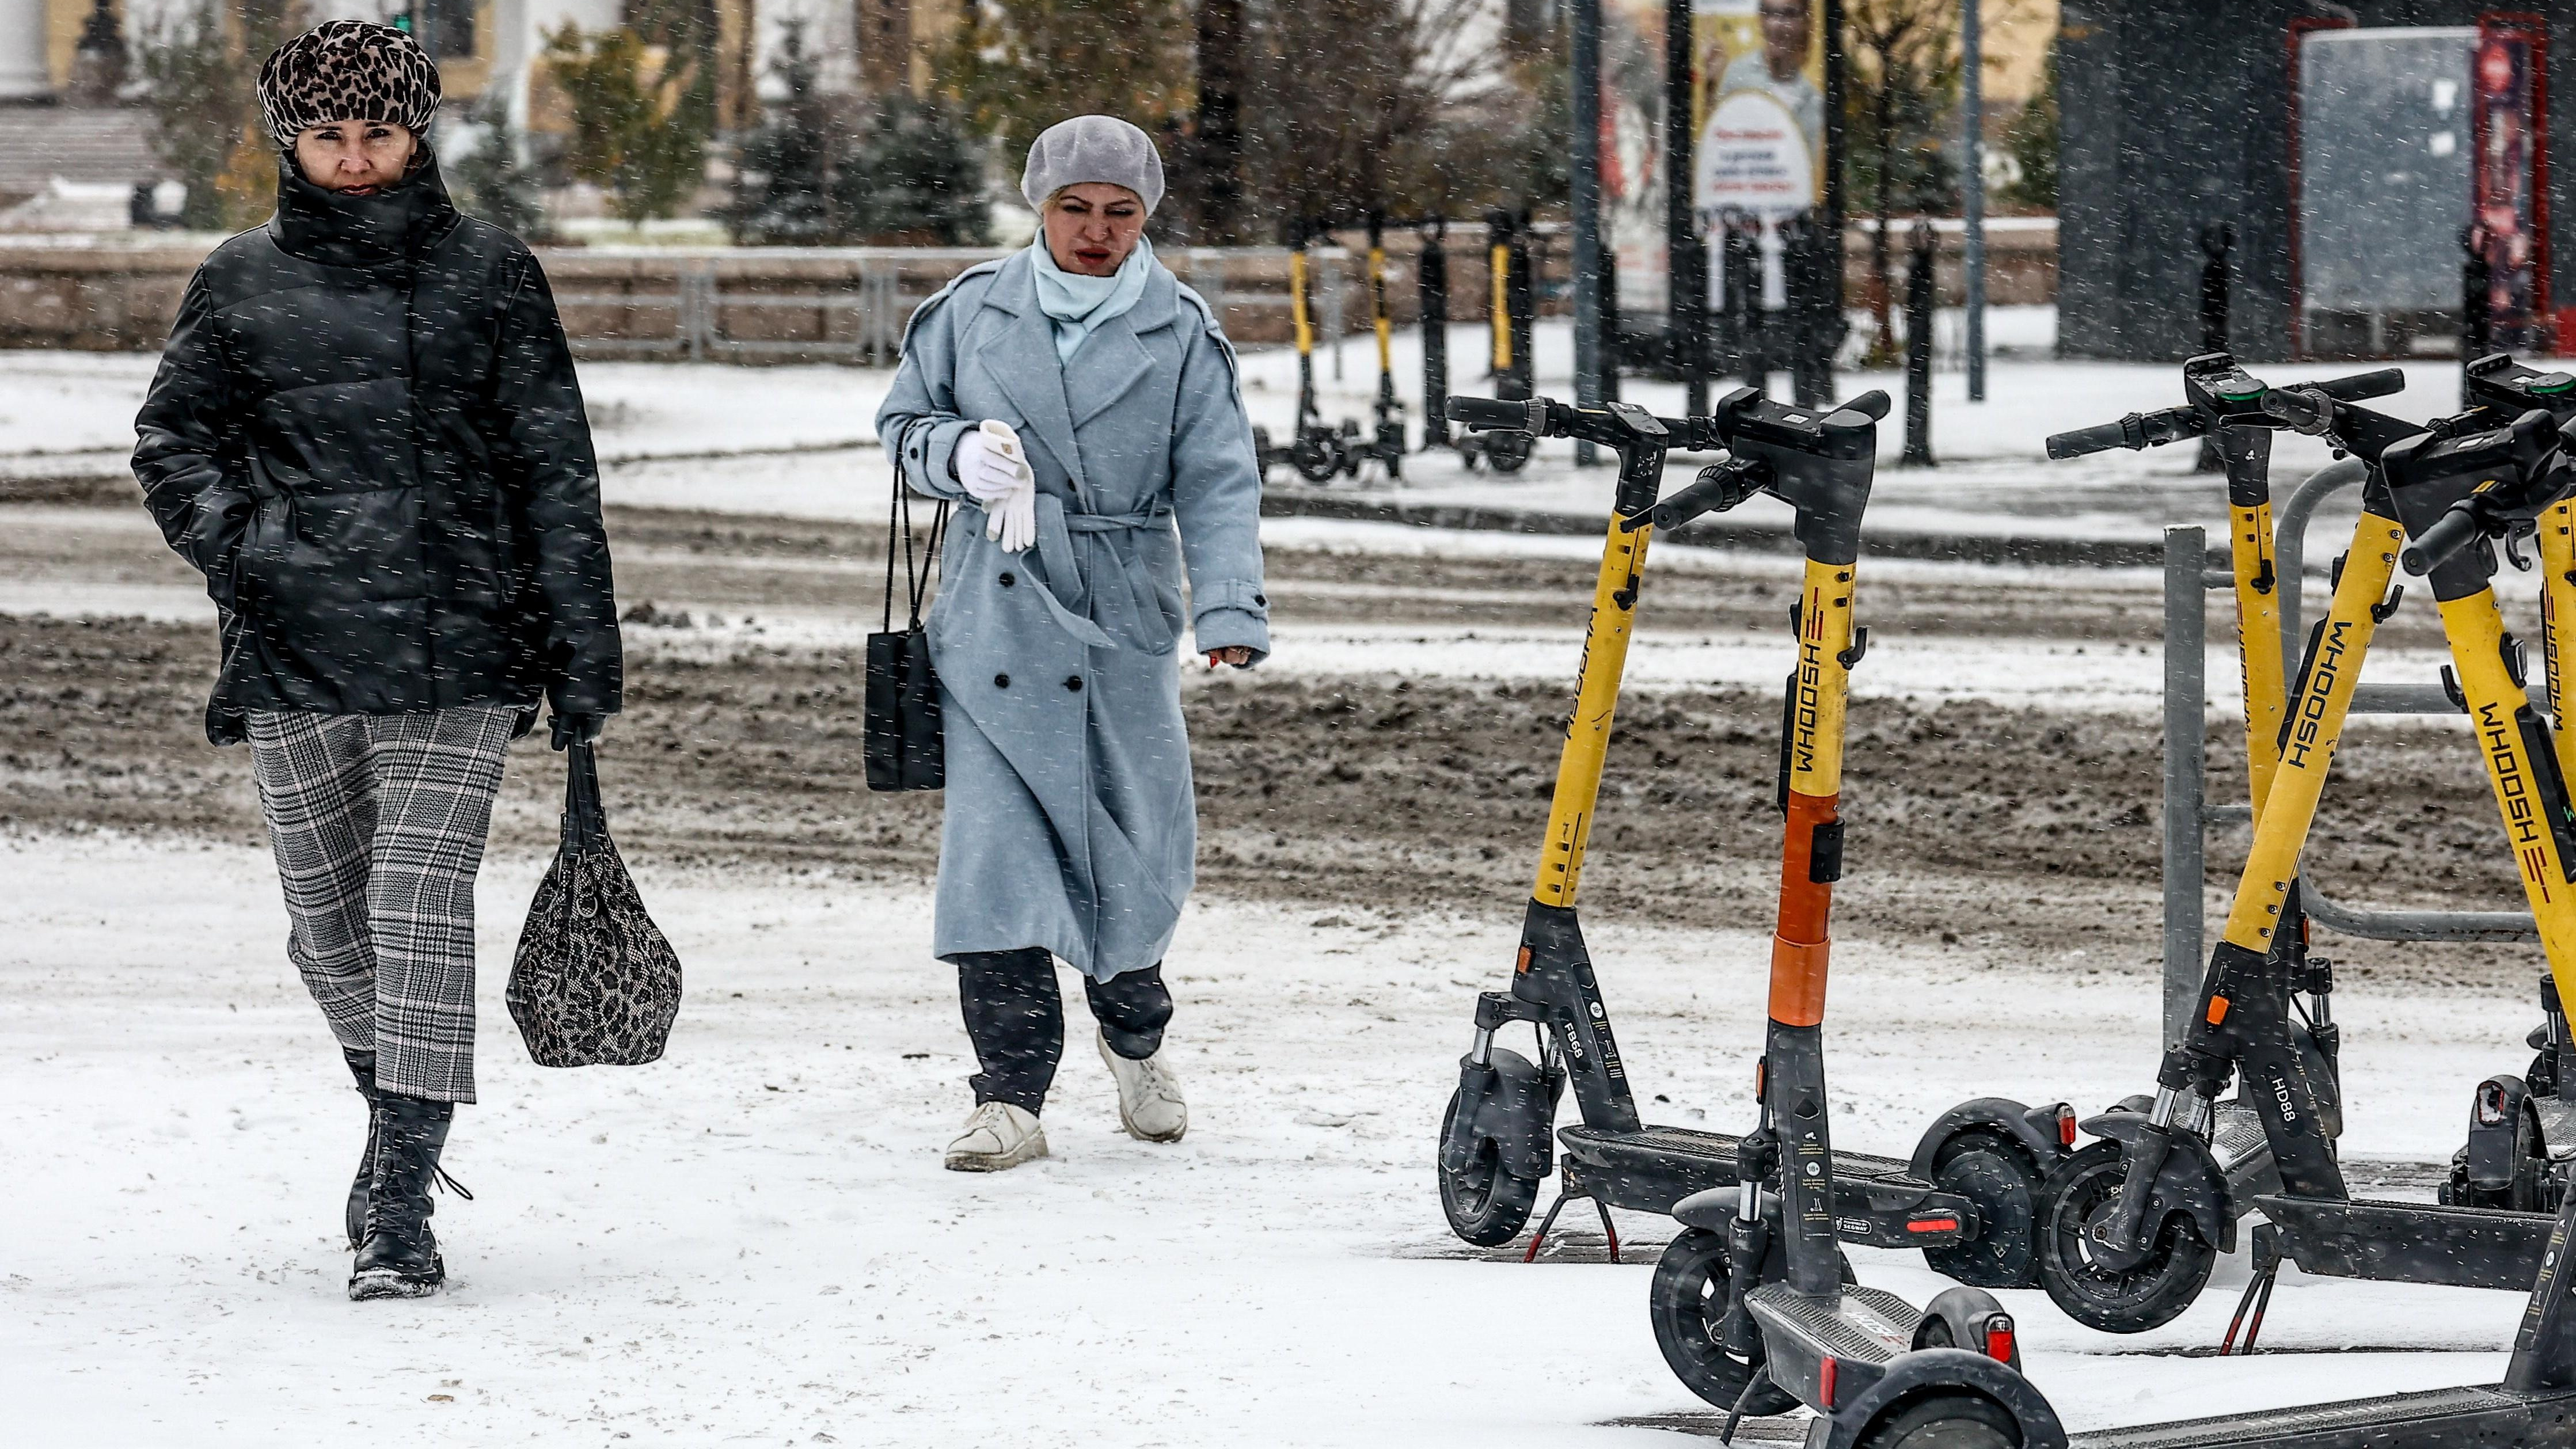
pixel 366 433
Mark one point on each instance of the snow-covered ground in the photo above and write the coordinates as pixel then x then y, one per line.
pixel 753 1241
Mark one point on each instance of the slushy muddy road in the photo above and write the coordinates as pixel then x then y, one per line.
pixel 2017 830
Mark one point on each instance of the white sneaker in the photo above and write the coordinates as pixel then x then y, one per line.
pixel 1149 1096
pixel 998 1136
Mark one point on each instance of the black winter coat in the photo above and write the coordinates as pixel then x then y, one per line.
pixel 367 435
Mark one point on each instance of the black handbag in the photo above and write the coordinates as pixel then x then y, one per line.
pixel 902 743
pixel 594 983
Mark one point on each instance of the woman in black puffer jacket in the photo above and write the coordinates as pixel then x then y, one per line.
pixel 367 435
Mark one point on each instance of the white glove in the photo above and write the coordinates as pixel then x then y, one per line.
pixel 1013 519
pixel 990 463
pixel 1002 481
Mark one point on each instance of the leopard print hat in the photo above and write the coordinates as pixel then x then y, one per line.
pixel 348 70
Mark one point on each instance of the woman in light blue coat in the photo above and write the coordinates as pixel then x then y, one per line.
pixel 1083 408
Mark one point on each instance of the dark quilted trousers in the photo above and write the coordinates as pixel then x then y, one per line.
pixel 1015 1017
pixel 378 823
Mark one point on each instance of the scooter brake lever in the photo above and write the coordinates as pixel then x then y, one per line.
pixel 2522 529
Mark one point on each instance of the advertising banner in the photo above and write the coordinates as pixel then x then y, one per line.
pixel 1759 112
pixel 2509 216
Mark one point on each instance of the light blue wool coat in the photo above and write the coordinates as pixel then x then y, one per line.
pixel 1071 823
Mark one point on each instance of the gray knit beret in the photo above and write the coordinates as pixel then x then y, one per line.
pixel 348 70
pixel 1093 148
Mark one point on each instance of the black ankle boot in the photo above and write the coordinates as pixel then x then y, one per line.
pixel 362 1065
pixel 399 1258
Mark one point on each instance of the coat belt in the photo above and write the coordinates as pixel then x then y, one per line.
pixel 1100 534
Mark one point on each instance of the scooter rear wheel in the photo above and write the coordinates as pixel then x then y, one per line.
pixel 2093 1293
pixel 1999 1176
pixel 1485 1204
pixel 1946 1421
pixel 1691 1294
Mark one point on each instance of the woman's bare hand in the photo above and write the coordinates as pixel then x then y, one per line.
pixel 1240 656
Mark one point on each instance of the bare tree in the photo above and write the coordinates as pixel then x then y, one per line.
pixel 1898 94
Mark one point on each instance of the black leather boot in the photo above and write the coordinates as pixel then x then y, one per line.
pixel 399 1258
pixel 362 1065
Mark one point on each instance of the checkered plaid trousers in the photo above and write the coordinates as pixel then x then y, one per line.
pixel 378 823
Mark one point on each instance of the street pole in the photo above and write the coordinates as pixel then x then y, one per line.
pixel 1686 284
pixel 1586 80
pixel 1972 64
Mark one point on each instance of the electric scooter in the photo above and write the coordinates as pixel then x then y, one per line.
pixel 1753 1300
pixel 2131 1225
pixel 2447 496
pixel 1386 446
pixel 2522 1129
pixel 1317 452
pixel 1495 1139
pixel 2223 408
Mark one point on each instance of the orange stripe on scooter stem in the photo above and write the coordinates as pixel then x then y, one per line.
pixel 1802 946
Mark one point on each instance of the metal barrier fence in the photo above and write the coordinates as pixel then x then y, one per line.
pixel 864 324
pixel 2188 815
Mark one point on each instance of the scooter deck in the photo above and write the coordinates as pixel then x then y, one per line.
pixel 1653 1168
pixel 2457 1418
pixel 2411 1242
pixel 1860 1329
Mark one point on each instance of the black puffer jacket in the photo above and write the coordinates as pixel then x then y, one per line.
pixel 367 435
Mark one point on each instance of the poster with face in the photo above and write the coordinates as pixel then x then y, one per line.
pixel 1759 114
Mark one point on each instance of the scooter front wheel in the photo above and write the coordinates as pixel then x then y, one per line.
pixel 1999 1176
pixel 1946 1421
pixel 1485 1204
pixel 1316 455
pixel 2080 1191
pixel 1691 1296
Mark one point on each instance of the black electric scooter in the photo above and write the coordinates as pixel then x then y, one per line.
pixel 2453 495
pixel 1496 1145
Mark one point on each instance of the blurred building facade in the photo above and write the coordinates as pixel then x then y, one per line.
pixel 2177 118
pixel 488 46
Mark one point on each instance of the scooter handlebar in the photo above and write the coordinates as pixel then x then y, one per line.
pixel 2100 438
pixel 1485 414
pixel 1872 405
pixel 2460 526
pixel 2362 385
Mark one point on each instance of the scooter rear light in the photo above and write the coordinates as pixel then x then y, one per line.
pixel 1999 1339
pixel 2491 1105
pixel 1826 1374
pixel 2065 1125
pixel 1932 1225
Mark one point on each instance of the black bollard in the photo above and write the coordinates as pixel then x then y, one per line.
pixel 1810 277
pixel 2217 280
pixel 1524 310
pixel 2477 321
pixel 1741 257
pixel 1918 349
pixel 1433 266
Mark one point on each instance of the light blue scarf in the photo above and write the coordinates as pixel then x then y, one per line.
pixel 1076 305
